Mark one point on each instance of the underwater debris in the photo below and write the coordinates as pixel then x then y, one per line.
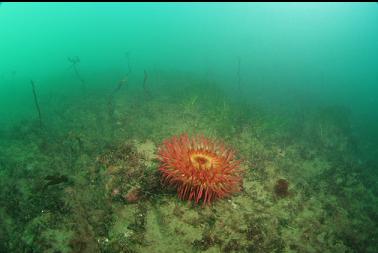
pixel 127 55
pixel 54 180
pixel 91 216
pixel 36 103
pixel 120 84
pixel 207 241
pixel 133 195
pixel 74 61
pixel 145 90
pixel 281 188
pixel 139 223
pixel 232 246
pixel 129 178
pixel 201 168
pixel 125 152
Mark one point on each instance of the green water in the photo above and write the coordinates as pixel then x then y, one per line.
pixel 291 88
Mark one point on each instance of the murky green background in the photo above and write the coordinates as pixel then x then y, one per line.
pixel 278 78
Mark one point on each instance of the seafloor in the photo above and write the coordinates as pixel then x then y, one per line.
pixel 87 179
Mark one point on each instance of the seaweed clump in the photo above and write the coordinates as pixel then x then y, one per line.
pixel 281 188
pixel 130 173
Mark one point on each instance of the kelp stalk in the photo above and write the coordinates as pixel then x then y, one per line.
pixel 36 103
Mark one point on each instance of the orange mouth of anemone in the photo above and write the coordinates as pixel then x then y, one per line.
pixel 202 161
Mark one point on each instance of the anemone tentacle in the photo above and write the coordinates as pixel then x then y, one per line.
pixel 200 168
